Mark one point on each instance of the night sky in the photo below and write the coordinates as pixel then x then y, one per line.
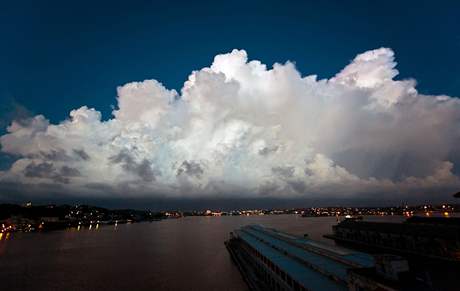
pixel 57 56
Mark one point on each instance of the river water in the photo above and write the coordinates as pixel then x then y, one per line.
pixel 174 254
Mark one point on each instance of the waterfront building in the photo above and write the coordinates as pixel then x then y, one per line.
pixel 49 219
pixel 427 237
pixel 272 260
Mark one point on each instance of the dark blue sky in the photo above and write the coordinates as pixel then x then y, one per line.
pixel 59 55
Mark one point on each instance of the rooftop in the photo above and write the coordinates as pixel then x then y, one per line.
pixel 315 265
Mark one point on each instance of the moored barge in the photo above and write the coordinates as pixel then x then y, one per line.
pixel 272 260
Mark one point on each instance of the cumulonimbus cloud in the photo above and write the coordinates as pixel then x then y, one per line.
pixel 239 128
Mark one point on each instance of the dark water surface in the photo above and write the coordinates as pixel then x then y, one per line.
pixel 175 254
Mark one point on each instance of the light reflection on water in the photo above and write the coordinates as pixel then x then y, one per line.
pixel 4 236
pixel 179 254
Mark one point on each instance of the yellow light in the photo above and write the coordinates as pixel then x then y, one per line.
pixel 78 228
pixel 446 213
pixel 1 235
pixel 97 226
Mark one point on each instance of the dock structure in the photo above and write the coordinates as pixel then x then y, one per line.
pixel 272 260
pixel 431 245
pixel 418 237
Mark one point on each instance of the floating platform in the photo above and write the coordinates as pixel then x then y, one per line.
pixel 269 259
pixel 272 260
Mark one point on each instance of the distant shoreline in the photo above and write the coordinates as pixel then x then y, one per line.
pixel 32 218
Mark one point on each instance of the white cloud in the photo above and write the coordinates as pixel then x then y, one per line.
pixel 238 127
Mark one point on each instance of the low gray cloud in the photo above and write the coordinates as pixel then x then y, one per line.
pixel 283 172
pixel 69 172
pixel 55 155
pixel 82 154
pixel 41 170
pixel 265 151
pixel 190 168
pixel 47 170
pixel 143 169
pixel 298 186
